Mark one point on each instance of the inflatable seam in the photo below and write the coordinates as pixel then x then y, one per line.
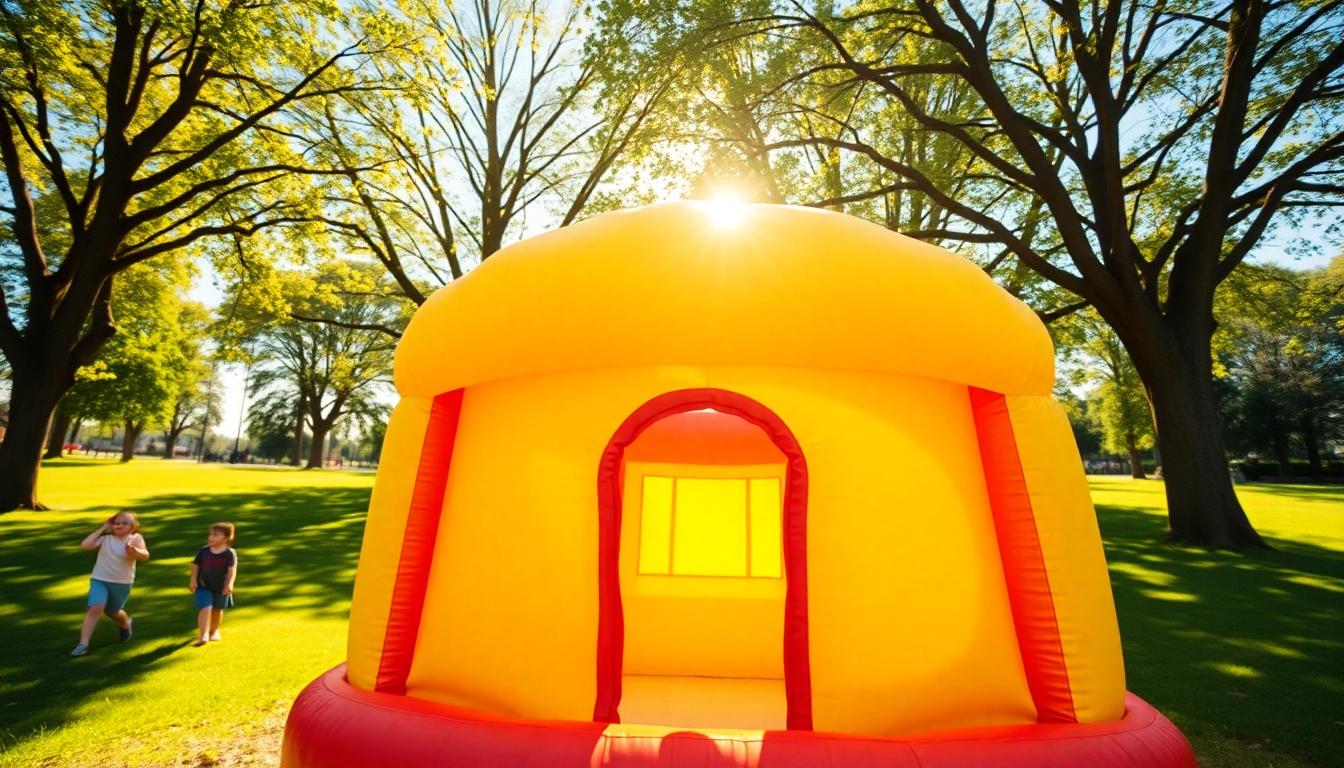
pixel 417 548
pixel 1025 575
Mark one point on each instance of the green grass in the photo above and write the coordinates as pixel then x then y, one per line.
pixel 1244 651
pixel 156 699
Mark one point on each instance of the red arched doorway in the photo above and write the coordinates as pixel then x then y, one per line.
pixel 611 624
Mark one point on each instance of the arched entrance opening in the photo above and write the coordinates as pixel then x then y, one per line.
pixel 702 499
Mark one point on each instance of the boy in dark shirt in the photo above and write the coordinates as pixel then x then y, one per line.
pixel 212 575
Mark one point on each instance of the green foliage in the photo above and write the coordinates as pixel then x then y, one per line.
pixel 154 360
pixel 130 130
pixel 371 441
pixel 1120 410
pixel 1117 406
pixel 320 339
pixel 196 405
pixel 491 125
pixel 273 421
pixel 759 106
pixel 1085 433
pixel 56 59
pixel 1282 349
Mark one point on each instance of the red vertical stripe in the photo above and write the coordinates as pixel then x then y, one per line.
pixel 611 618
pixel 417 546
pixel 1024 571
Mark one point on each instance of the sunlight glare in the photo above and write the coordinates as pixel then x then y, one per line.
pixel 726 209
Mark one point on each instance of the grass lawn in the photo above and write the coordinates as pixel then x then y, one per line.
pixel 157 700
pixel 1244 651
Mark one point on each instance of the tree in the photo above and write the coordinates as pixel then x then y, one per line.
pixel 335 367
pixel 60 424
pixel 130 130
pixel 1085 433
pixel 271 425
pixel 195 381
pixel 1163 140
pixel 371 440
pixel 1283 350
pixel 136 377
pixel 495 120
pixel 1117 407
pixel 1120 411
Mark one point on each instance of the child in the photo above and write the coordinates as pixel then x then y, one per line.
pixel 113 574
pixel 212 574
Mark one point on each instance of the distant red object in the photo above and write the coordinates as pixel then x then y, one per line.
pixel 72 447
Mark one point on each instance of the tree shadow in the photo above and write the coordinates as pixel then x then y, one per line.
pixel 1322 492
pixel 1243 645
pixel 297 550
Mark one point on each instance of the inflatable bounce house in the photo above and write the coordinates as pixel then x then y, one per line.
pixel 697 484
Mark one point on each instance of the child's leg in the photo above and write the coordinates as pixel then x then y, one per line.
pixel 117 594
pixel 90 623
pixel 203 623
pixel 216 618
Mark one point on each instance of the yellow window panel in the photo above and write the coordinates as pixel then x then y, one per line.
pixel 655 528
pixel 766 514
pixel 709 529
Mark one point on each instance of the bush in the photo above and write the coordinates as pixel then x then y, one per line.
pixel 1254 470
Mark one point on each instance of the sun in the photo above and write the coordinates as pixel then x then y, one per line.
pixel 726 209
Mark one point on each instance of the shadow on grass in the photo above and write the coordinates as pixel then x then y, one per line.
pixel 1296 491
pixel 297 551
pixel 1242 645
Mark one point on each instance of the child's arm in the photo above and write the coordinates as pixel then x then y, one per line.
pixel 195 571
pixel 228 582
pixel 135 547
pixel 94 540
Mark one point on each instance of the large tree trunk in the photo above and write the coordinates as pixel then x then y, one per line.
pixel 318 448
pixel 41 380
pixel 1135 458
pixel 30 408
pixel 60 422
pixel 1202 506
pixel 129 439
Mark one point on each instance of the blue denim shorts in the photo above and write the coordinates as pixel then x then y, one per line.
pixel 207 599
pixel 111 596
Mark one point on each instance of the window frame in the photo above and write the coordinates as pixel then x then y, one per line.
pixel 666 585
pixel 749 518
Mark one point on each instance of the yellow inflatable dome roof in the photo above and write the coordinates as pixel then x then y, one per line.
pixel 703 283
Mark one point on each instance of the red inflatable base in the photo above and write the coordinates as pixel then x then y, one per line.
pixel 334 724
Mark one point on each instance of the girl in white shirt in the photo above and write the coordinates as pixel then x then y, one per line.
pixel 113 574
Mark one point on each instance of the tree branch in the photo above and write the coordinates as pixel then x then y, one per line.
pixel 394 333
pixel 149 139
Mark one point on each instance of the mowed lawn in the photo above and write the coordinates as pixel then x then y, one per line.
pixel 157 700
pixel 1244 651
